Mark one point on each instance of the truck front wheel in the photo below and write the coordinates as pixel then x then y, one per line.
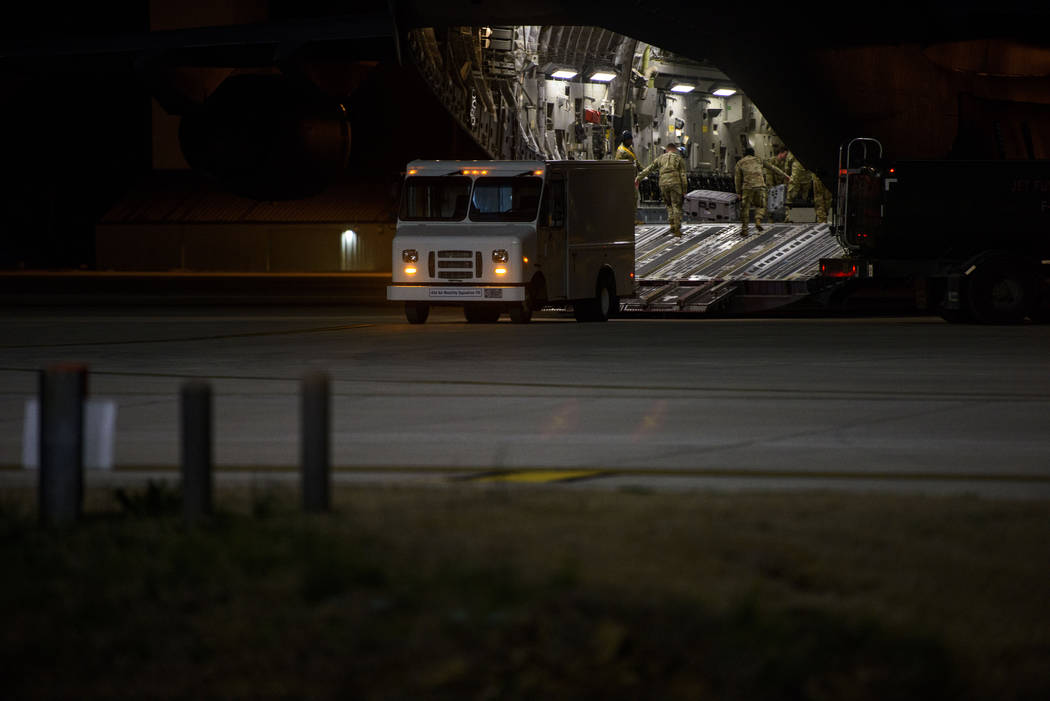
pixel 521 313
pixel 417 312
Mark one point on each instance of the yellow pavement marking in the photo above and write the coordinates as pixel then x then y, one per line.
pixel 539 476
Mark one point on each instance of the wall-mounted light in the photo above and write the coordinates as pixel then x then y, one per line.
pixel 682 87
pixel 351 250
pixel 602 76
pixel 563 74
pixel 724 92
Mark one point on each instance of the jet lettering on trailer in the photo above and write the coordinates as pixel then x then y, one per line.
pixel 1028 185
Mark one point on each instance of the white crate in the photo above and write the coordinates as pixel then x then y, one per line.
pixel 710 205
pixel 775 197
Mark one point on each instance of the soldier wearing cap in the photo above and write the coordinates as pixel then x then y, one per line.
pixel 672 184
pixel 751 187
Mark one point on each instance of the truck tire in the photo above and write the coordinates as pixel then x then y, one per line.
pixel 604 304
pixel 481 313
pixel 521 313
pixel 1002 292
pixel 417 312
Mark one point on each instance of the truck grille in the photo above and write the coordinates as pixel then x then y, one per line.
pixel 458 265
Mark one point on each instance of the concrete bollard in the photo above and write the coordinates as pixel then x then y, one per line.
pixel 60 489
pixel 196 450
pixel 315 432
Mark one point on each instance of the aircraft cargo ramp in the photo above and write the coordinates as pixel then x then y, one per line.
pixel 712 269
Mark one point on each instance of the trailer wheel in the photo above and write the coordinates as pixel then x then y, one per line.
pixel 1002 292
pixel 417 312
pixel 521 313
pixel 481 313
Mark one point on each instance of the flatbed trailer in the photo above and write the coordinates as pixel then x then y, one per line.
pixel 712 269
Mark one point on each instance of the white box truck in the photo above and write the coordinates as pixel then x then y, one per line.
pixel 514 236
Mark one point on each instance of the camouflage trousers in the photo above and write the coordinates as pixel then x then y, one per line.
pixel 798 189
pixel 821 200
pixel 753 197
pixel 672 195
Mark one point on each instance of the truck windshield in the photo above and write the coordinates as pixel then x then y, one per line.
pixel 505 199
pixel 437 199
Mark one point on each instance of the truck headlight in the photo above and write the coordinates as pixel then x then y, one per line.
pixel 410 255
pixel 500 256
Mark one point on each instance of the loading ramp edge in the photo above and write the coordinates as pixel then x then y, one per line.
pixel 721 296
pixel 711 269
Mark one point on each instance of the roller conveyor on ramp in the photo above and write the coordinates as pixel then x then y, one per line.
pixel 711 268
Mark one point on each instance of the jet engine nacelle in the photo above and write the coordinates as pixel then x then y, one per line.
pixel 267 137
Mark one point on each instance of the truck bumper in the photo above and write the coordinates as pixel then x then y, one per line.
pixel 453 294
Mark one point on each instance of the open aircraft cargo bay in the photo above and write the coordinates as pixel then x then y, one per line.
pixel 712 269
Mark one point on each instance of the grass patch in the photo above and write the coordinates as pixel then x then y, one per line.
pixel 531 593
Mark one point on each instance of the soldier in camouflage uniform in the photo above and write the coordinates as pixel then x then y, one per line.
pixel 821 200
pixel 625 152
pixel 672 184
pixel 775 168
pixel 801 181
pixel 751 187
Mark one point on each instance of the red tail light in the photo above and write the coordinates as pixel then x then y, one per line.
pixel 838 268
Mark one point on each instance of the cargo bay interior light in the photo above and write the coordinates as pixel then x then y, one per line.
pixel 602 76
pixel 563 74
pixel 724 92
pixel 682 87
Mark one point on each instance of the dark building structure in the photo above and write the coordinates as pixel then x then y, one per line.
pixel 275 100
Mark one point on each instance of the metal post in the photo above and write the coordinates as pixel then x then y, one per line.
pixel 315 428
pixel 61 479
pixel 196 450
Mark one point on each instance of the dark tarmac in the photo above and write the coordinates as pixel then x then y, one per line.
pixel 907 404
